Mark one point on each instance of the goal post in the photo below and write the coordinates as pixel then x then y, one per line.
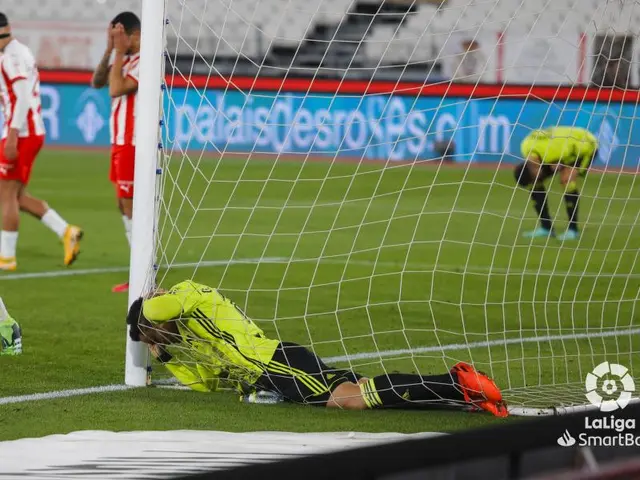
pixel 320 167
pixel 148 126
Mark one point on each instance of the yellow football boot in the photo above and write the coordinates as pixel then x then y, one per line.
pixel 8 264
pixel 71 240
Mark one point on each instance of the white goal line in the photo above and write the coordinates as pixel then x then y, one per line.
pixel 342 359
pixel 103 270
pixel 62 394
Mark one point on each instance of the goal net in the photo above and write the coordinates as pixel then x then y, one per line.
pixel 344 171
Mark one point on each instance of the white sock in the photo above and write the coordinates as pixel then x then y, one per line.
pixel 127 228
pixel 8 242
pixel 54 222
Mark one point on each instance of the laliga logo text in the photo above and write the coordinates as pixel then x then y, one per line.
pixel 609 387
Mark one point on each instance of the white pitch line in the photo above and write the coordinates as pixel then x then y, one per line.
pixel 426 267
pixel 63 273
pixel 63 394
pixel 97 271
pixel 486 343
pixel 445 268
pixel 347 358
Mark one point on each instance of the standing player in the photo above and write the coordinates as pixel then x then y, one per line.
pixel 22 138
pixel 123 39
pixel 567 151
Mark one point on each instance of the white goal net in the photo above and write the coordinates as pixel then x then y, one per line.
pixel 321 168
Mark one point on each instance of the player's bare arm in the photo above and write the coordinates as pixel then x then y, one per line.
pixel 119 84
pixel 101 73
pixel 20 111
pixel 568 174
pixel 11 145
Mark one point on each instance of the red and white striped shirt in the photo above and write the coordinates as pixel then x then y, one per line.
pixel 17 64
pixel 123 108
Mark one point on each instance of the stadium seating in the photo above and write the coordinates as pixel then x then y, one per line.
pixel 414 40
pixel 67 10
pixel 253 28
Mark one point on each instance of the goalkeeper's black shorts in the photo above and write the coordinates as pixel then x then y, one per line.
pixel 300 376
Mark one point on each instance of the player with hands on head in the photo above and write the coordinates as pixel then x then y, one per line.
pixel 207 342
pixel 121 74
pixel 23 136
pixel 566 151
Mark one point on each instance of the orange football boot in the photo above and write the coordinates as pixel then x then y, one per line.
pixel 121 288
pixel 479 390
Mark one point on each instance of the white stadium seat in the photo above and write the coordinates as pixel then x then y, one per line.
pixel 412 42
pixel 68 10
pixel 248 26
pixel 331 11
pixel 424 19
pixel 378 41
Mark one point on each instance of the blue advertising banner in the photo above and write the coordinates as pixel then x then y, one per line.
pixel 380 126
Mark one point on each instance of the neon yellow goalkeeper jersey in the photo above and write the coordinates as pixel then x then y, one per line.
pixel 564 145
pixel 218 340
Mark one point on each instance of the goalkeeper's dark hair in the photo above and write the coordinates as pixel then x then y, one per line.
pixel 128 20
pixel 4 21
pixel 133 319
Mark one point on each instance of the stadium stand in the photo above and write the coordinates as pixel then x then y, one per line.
pixel 62 10
pixel 347 38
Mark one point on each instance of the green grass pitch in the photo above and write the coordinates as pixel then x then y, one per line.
pixel 409 268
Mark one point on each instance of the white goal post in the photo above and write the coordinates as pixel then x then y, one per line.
pixel 148 126
pixel 314 161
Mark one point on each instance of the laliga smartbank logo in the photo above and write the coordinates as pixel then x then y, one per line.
pixel 609 387
pixel 612 380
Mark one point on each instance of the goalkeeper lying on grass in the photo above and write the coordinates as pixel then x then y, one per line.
pixel 204 339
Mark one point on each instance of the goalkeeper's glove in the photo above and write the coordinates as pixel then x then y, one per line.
pixel 10 337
